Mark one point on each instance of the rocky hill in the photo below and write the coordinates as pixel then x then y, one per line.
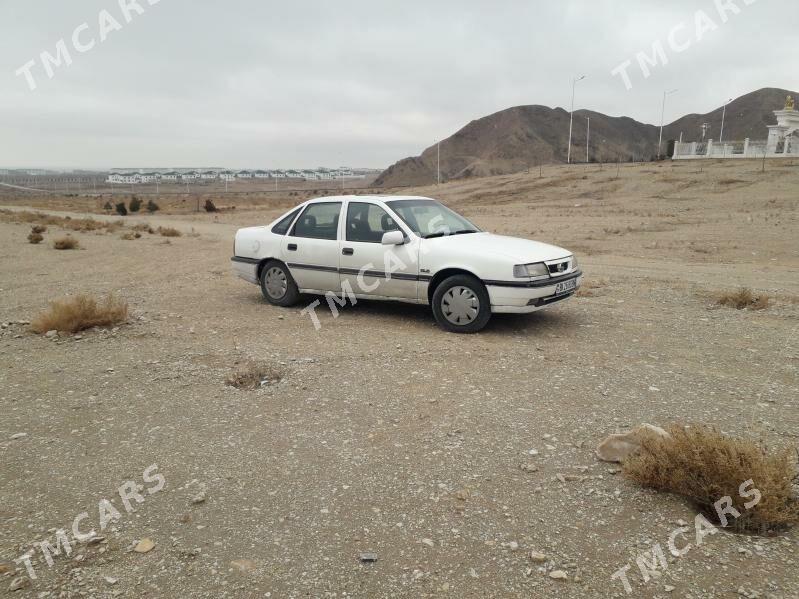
pixel 523 137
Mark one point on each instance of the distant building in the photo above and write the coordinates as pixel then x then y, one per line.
pixel 190 176
pixel 227 176
pixel 171 176
pixel 148 177
pixel 261 174
pixel 208 175
pixel 244 175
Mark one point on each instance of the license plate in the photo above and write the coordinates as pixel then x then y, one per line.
pixel 566 286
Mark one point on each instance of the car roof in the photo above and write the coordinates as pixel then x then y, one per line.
pixel 361 198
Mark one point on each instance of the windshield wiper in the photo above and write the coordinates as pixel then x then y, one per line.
pixel 444 233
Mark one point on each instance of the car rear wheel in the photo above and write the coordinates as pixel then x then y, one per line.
pixel 278 285
pixel 461 304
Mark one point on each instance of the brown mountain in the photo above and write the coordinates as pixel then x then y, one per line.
pixel 522 137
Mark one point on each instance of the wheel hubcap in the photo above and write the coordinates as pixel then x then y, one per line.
pixel 460 305
pixel 276 284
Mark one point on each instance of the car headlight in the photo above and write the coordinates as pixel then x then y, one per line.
pixel 537 270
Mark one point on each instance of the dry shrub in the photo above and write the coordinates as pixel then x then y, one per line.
pixel 81 312
pixel 143 228
pixel 703 465
pixel 38 229
pixel 743 298
pixel 35 237
pixel 66 222
pixel 169 232
pixel 254 376
pixel 130 236
pixel 590 287
pixel 66 243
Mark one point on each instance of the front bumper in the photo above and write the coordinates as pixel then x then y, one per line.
pixel 522 298
pixel 245 268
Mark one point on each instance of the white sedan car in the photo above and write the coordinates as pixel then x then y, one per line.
pixel 402 248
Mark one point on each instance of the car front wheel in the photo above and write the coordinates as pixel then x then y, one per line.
pixel 278 285
pixel 461 304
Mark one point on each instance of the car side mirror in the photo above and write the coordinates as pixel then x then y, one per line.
pixel 393 238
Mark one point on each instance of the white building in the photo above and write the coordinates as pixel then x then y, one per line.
pixel 171 176
pixel 190 176
pixel 244 175
pixel 148 177
pixel 129 178
pixel 208 175
pixel 227 176
pixel 261 174
pixel 277 174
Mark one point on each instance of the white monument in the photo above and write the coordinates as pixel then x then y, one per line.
pixel 783 138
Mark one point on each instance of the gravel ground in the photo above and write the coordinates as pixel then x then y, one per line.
pixel 463 464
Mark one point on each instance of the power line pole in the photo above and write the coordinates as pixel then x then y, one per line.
pixel 438 168
pixel 587 137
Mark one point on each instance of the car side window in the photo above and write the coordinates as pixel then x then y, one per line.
pixel 282 227
pixel 367 222
pixel 318 221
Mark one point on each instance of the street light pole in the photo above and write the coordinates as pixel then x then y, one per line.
pixel 571 118
pixel 723 114
pixel 662 115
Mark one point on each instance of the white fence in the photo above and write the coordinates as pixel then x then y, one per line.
pixel 734 149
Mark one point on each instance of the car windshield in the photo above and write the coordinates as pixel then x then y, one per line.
pixel 428 218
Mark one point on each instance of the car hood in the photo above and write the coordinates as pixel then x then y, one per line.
pixel 522 251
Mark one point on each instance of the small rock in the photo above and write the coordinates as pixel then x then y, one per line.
pixel 19 583
pixel 668 588
pixel 243 565
pixel 16 436
pixel 429 542
pixel 51 334
pixel 111 580
pixel 199 497
pixel 144 546
pixel 513 546
pixel 558 575
pixel 368 557
pixel 528 468
pixel 538 557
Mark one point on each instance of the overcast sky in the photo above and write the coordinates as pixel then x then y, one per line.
pixel 251 83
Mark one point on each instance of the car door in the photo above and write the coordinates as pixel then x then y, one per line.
pixel 368 266
pixel 311 249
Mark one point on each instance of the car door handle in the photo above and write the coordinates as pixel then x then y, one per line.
pixel 348 251
pixel 292 247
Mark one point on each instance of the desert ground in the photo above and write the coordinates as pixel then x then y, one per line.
pixel 452 459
